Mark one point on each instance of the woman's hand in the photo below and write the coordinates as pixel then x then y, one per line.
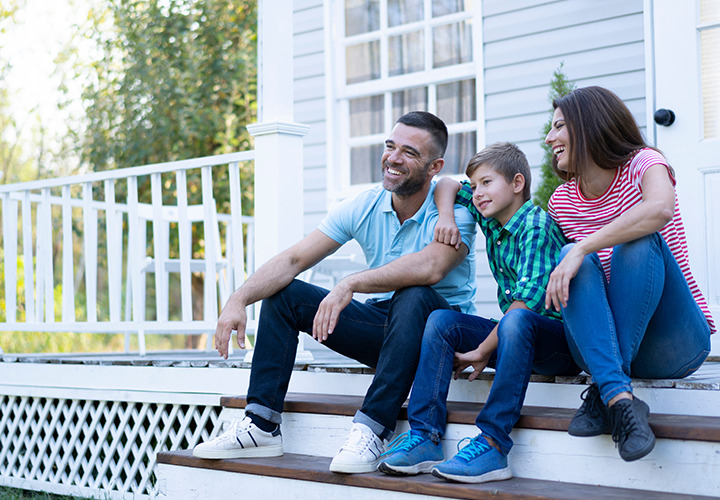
pixel 477 358
pixel 558 287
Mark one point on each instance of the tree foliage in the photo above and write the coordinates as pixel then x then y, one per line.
pixel 559 86
pixel 176 79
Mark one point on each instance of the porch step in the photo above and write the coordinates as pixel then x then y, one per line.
pixel 299 470
pixel 545 460
pixel 665 426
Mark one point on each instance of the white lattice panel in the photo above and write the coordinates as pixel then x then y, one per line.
pixel 104 449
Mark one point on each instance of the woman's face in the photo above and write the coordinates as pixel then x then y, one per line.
pixel 559 140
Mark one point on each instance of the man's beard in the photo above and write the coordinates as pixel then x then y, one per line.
pixel 412 184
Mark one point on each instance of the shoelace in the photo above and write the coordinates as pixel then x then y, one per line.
pixel 623 424
pixel 356 441
pixel 475 448
pixel 391 447
pixel 590 401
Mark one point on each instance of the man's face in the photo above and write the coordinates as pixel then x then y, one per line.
pixel 407 159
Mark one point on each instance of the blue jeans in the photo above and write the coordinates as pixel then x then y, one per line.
pixel 644 323
pixel 527 342
pixel 383 334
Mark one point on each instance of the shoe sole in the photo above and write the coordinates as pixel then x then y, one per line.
pixel 408 470
pixel 588 433
pixel 495 475
pixel 640 453
pixel 260 452
pixel 354 468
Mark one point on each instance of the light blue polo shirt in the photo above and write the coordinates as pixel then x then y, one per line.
pixel 370 219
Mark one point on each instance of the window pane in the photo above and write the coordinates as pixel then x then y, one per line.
pixel 409 100
pixel 452 44
pixel 461 147
pixel 406 53
pixel 444 7
pixel 366 116
pixel 365 164
pixel 361 16
pixel 404 11
pixel 456 101
pixel 363 62
pixel 709 43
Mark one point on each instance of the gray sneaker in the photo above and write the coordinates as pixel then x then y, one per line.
pixel 630 428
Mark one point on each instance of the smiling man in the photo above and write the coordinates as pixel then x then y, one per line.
pixel 409 276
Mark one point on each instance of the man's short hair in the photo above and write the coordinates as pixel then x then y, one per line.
pixel 506 159
pixel 430 123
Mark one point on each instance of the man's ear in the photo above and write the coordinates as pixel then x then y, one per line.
pixel 518 183
pixel 436 167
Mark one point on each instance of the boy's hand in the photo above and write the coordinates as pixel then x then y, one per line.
pixel 477 358
pixel 447 232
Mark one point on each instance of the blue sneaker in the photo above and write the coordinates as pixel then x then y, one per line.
pixel 410 453
pixel 478 462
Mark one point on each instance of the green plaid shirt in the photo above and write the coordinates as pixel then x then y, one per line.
pixel 522 254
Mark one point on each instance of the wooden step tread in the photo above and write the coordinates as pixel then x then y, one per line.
pixel 665 426
pixel 312 468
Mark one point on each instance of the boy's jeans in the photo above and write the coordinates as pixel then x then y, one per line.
pixel 644 323
pixel 527 342
pixel 383 334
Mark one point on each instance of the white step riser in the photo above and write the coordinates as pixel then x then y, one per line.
pixel 185 483
pixel 660 400
pixel 673 466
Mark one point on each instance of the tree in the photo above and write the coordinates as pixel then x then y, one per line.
pixel 559 86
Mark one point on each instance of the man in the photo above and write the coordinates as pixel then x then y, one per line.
pixel 393 224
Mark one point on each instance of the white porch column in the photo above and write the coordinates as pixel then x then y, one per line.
pixel 278 140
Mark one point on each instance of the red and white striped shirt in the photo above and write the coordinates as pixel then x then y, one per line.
pixel 579 216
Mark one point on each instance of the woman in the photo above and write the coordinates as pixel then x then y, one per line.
pixel 629 301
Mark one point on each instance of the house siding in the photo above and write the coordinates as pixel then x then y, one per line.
pixel 524 42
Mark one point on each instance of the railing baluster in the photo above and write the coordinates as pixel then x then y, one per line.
pixel 237 258
pixel 45 254
pixel 185 246
pixel 28 257
pixel 68 268
pixel 9 223
pixel 136 258
pixel 114 240
pixel 210 306
pixel 90 247
pixel 160 247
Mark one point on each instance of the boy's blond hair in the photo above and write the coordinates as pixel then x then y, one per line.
pixel 506 159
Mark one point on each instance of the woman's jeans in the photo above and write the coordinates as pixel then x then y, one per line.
pixel 527 342
pixel 383 334
pixel 644 323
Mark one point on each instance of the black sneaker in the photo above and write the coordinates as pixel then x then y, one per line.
pixel 593 417
pixel 630 428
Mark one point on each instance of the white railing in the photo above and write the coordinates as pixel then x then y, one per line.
pixel 110 232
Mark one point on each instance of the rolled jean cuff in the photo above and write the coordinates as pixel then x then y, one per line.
pixel 264 412
pixel 379 429
pixel 614 392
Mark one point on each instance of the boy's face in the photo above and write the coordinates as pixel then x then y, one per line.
pixel 495 197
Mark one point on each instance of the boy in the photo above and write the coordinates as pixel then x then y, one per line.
pixel 523 245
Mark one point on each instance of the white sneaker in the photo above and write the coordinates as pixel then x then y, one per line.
pixel 360 453
pixel 242 439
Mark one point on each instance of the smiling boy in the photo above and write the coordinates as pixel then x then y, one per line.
pixel 523 244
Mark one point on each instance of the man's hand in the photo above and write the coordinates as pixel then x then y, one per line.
pixel 329 310
pixel 233 317
pixel 477 358
pixel 447 232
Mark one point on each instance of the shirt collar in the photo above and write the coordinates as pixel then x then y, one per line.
pixel 515 222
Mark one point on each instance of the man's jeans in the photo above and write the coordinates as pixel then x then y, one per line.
pixel 383 334
pixel 527 342
pixel 644 323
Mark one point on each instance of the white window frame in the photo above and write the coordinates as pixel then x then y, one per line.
pixel 339 93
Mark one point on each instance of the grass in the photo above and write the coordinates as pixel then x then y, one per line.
pixel 15 494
